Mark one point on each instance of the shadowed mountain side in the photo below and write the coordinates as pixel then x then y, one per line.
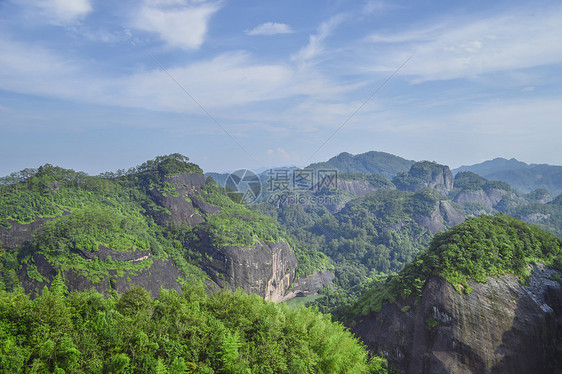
pixel 498 328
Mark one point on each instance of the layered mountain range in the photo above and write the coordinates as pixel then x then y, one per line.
pixel 369 245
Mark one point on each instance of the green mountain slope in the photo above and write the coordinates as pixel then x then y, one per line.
pixel 157 224
pixel 372 162
pixel 479 247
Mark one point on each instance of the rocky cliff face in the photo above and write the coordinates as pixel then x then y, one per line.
pixel 19 233
pixel 498 199
pixel 444 216
pixel 501 327
pixel 266 269
pixel 442 181
pixel 178 200
pixel 310 285
pixel 356 187
pixel 156 274
pixel 426 174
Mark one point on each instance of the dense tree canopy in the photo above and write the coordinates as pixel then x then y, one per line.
pixel 475 249
pixel 188 332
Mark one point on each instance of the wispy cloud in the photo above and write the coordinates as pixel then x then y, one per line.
pixel 377 7
pixel 270 28
pixel 468 48
pixel 36 70
pixel 315 45
pixel 516 117
pixel 430 33
pixel 60 11
pixel 180 23
pixel 227 80
pixel 281 155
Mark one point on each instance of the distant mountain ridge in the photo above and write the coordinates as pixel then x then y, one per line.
pixel 372 162
pixel 520 175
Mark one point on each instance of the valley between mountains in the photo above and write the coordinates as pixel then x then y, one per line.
pixel 406 267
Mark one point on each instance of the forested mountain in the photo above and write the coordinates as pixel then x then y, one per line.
pixel 521 176
pixel 373 162
pixel 111 231
pixel 349 244
pixel 486 297
pixel 70 241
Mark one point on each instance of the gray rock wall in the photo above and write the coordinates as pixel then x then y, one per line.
pixel 498 328
pixel 266 269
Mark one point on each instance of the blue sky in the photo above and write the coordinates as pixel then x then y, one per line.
pixel 81 84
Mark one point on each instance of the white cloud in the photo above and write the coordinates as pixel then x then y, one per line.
pixel 228 80
pixel 31 69
pixel 270 28
pixel 61 11
pixel 227 83
pixel 377 7
pixel 409 36
pixel 315 45
pixel 181 24
pixel 469 48
pixel 281 155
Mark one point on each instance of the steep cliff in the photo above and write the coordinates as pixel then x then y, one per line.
pixel 478 300
pixel 479 195
pixel 426 174
pixel 176 199
pixel 156 226
pixel 500 327
pixel 443 216
pixel 266 268
pixel 150 273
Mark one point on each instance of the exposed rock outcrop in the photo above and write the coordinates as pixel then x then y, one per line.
pixel 18 234
pixel 310 285
pixel 104 253
pixel 450 213
pixel 443 217
pixel 426 174
pixel 442 181
pixel 493 198
pixel 501 327
pixel 177 201
pixel 356 187
pixel 266 269
pixel 159 274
